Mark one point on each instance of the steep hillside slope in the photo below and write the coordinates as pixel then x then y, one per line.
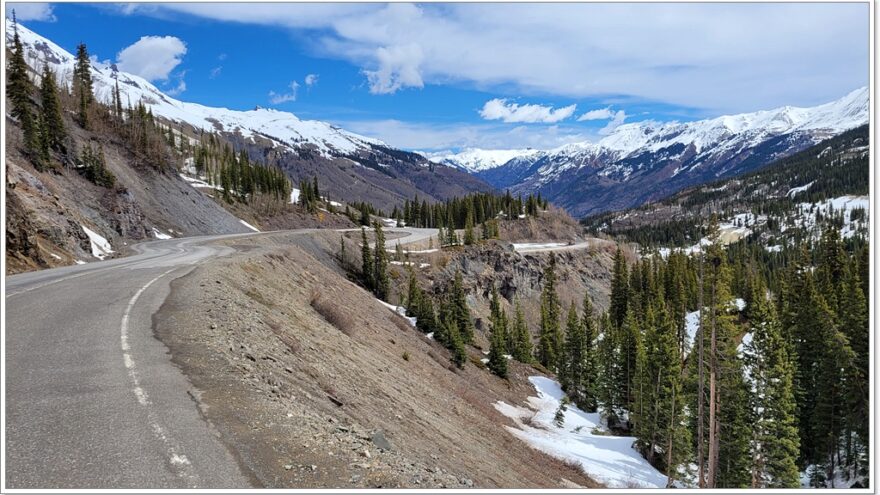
pixel 48 212
pixel 312 396
pixel 353 166
pixel 647 161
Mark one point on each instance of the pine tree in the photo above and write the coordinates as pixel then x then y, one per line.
pixel 612 389
pixel 619 289
pixel 413 294
pixel 366 261
pixel 469 228
pixel 82 85
pixel 550 343
pixel 382 284
pixel 854 325
pixel 454 342
pixel 462 314
pixel 629 344
pixel 51 111
pixel 498 340
pixel 572 362
pixel 775 442
pixel 522 350
pixel 590 375
pixel 19 91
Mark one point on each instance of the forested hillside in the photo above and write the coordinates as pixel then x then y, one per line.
pixel 764 280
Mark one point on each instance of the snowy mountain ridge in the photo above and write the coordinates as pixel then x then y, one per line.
pixel 282 128
pixel 476 160
pixel 721 134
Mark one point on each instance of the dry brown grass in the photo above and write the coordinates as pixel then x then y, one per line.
pixel 333 314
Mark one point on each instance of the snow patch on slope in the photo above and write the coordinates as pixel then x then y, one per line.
pixel 608 459
pixel 101 248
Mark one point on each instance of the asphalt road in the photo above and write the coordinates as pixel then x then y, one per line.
pixel 92 399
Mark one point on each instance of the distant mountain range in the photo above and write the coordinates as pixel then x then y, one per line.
pixel 350 166
pixel 646 161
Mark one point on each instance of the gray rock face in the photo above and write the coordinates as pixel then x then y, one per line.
pixel 379 440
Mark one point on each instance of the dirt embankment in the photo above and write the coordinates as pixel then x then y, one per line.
pixel 313 383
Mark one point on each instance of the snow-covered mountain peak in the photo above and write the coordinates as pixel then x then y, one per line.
pixel 283 128
pixel 478 160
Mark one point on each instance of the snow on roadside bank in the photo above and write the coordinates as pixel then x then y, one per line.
pixel 101 248
pixel 607 459
pixel 158 234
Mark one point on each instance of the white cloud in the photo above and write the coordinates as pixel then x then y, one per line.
pixel 398 67
pixel 215 72
pixel 31 11
pixel 311 79
pixel 616 121
pixel 180 88
pixel 749 56
pixel 616 118
pixel 278 98
pixel 500 109
pixel 435 137
pixel 152 57
pixel 597 114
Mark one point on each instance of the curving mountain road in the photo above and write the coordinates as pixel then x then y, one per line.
pixel 92 399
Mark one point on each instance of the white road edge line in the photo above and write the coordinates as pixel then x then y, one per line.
pixel 177 461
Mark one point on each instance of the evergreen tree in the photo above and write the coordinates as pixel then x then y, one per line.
pixel 413 294
pixel 382 284
pixel 590 375
pixel 82 85
pixel 51 111
pixel 572 362
pixel 498 340
pixel 522 350
pixel 629 345
pixel 619 289
pixel 774 425
pixel 550 343
pixel 462 314
pixel 612 389
pixel 19 91
pixel 854 325
pixel 366 261
pixel 469 229
pixel 454 342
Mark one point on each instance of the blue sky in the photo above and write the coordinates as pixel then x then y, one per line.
pixel 450 76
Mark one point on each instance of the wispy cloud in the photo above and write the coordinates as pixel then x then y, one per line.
pixel 598 114
pixel 616 121
pixel 31 11
pixel 616 118
pixel 278 98
pixel 311 80
pixel 215 72
pixel 427 136
pixel 501 109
